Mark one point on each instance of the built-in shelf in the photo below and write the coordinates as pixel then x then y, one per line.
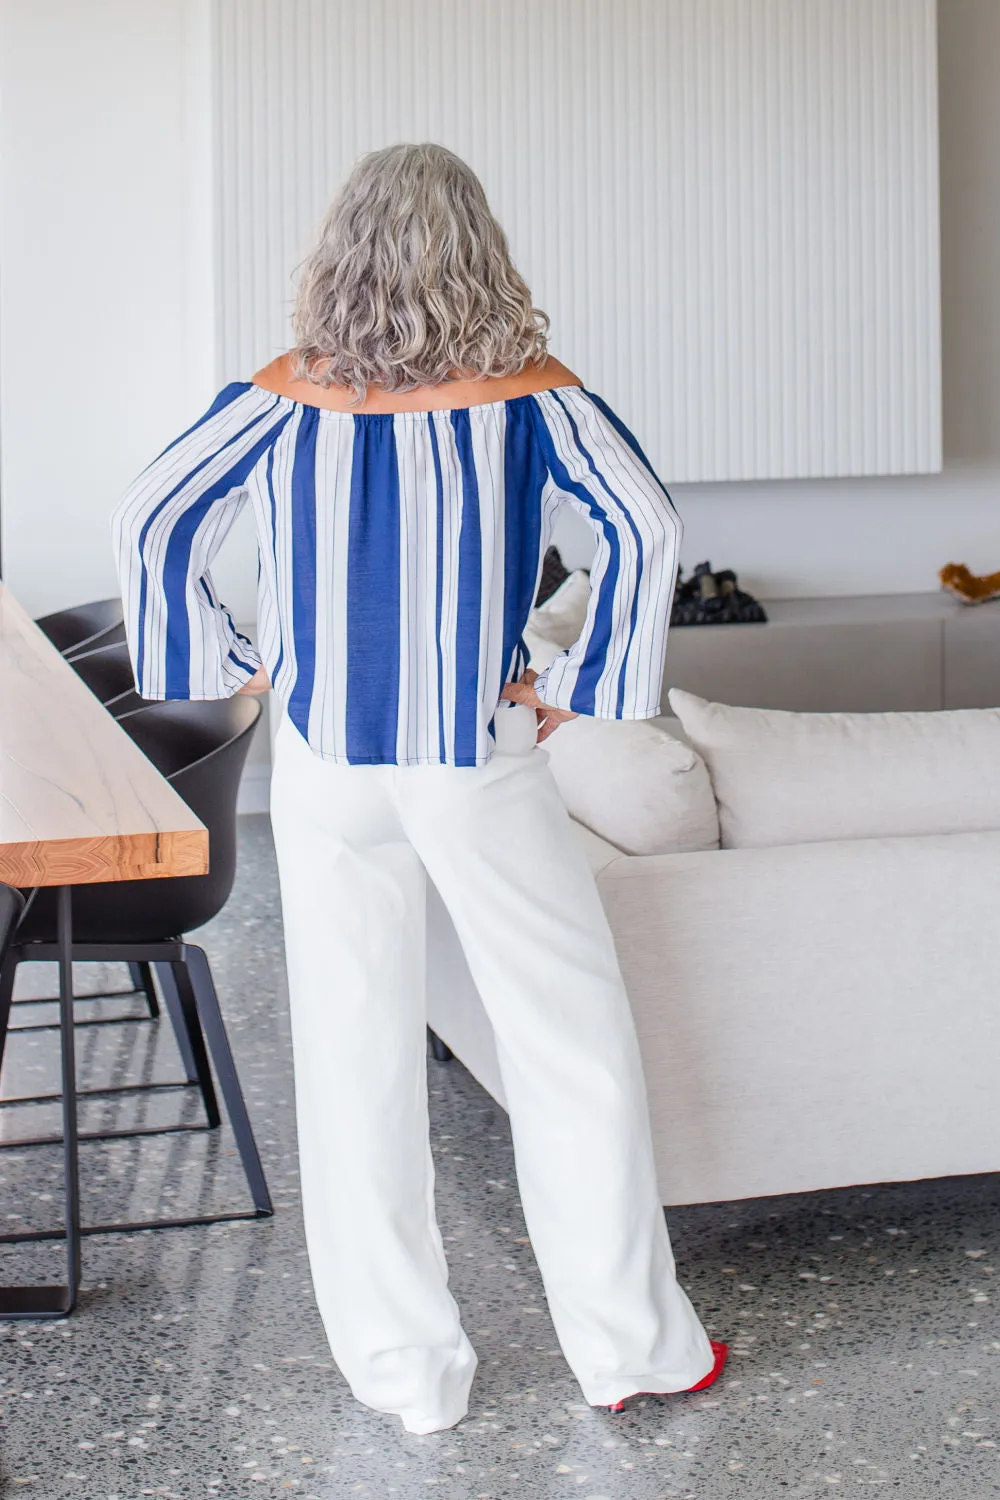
pixel 865 654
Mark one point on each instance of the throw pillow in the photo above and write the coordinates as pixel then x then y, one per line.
pixel 541 651
pixel 561 617
pixel 635 783
pixel 794 778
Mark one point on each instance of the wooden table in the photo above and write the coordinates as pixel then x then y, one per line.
pixel 79 803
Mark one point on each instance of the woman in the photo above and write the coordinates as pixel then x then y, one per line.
pixel 405 464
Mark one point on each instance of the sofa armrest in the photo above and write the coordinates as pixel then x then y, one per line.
pixel 813 1015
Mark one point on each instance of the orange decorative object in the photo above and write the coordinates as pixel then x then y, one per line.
pixel 956 578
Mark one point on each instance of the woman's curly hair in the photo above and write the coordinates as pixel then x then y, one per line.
pixel 411 281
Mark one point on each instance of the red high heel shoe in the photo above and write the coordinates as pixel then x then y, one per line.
pixel 721 1352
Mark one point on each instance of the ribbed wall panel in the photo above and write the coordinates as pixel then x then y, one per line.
pixel 729 208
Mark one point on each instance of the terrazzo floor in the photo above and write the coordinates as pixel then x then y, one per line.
pixel 866 1341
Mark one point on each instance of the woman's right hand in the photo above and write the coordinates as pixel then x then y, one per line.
pixel 549 718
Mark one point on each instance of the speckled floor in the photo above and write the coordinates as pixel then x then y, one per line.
pixel 866 1342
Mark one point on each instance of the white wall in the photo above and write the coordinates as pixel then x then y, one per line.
pixel 891 535
pixel 106 325
pixel 729 208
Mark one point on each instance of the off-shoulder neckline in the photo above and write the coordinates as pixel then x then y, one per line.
pixel 274 380
pixel 424 411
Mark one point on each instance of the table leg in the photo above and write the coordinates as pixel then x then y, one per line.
pixel 57 1301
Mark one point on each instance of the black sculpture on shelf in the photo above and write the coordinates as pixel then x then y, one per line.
pixel 554 573
pixel 708 598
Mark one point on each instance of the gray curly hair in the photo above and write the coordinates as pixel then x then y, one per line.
pixel 411 281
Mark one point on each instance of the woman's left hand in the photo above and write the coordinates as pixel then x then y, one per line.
pixel 259 683
pixel 548 718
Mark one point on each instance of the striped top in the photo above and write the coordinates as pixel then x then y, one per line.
pixel 399 558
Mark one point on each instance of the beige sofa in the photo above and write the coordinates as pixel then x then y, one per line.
pixel 815 1008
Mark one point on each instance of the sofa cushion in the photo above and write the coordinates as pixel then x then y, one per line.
pixel 793 778
pixel 599 852
pixel 634 783
pixel 561 618
pixel 541 651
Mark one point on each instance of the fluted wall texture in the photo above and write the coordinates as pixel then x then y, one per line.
pixel 728 207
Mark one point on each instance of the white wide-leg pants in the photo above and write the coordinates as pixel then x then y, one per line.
pixel 355 845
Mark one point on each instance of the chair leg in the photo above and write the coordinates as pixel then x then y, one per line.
pixel 191 1027
pixel 141 976
pixel 175 1010
pixel 186 987
pixel 8 972
pixel 440 1050
pixel 199 975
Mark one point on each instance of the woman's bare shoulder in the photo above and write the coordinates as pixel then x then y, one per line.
pixel 556 373
pixel 551 374
pixel 280 378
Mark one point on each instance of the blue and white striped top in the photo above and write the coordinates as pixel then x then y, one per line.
pixel 399 558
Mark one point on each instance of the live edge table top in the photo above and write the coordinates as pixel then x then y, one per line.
pixel 79 802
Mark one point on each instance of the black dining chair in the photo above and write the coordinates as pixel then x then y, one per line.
pixel 85 626
pixel 11 907
pixel 200 748
pixel 11 910
pixel 107 671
